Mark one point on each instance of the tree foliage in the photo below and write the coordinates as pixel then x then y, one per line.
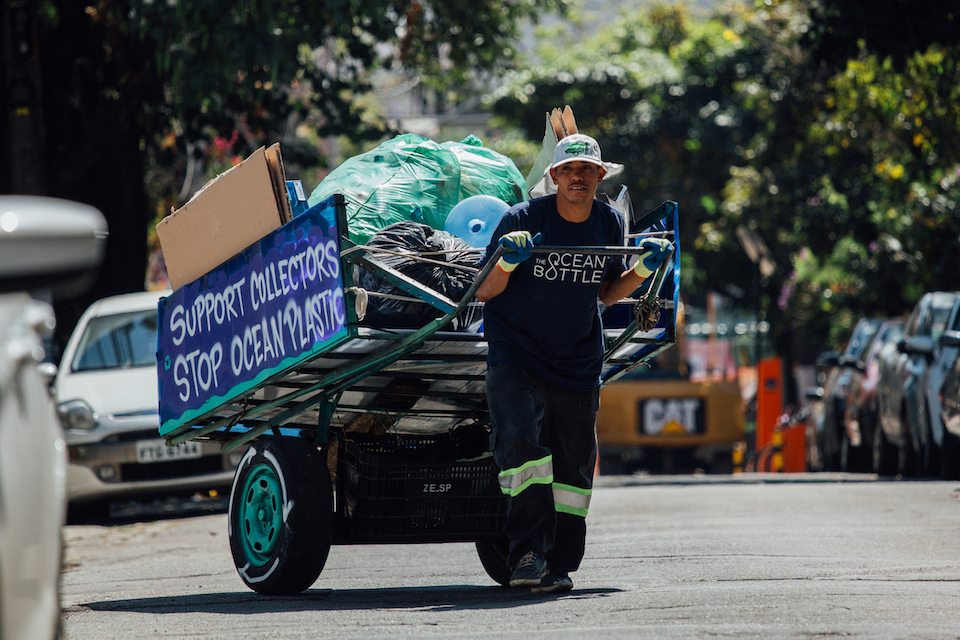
pixel 890 29
pixel 846 168
pixel 253 63
pixel 147 99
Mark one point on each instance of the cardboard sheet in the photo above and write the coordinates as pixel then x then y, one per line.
pixel 230 213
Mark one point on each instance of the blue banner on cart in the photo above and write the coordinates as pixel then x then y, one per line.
pixel 276 304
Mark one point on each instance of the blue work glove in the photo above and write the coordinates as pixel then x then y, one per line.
pixel 517 245
pixel 657 249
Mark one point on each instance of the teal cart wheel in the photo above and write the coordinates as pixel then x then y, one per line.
pixel 281 515
pixel 260 514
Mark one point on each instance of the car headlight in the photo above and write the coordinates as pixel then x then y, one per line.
pixel 77 414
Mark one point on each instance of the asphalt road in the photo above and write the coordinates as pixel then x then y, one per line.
pixel 807 556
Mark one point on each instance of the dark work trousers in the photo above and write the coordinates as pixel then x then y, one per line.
pixel 545 443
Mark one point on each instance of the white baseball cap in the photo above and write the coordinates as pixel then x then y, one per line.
pixel 580 148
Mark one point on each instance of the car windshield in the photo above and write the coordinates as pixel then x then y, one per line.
pixel 118 341
pixel 885 335
pixel 939 316
pixel 861 338
pixel 894 333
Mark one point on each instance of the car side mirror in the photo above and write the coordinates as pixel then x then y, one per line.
pixel 48 373
pixel 49 245
pixel 813 394
pixel 852 361
pixel 950 339
pixel 919 344
pixel 828 359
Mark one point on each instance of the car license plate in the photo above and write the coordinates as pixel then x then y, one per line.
pixel 158 451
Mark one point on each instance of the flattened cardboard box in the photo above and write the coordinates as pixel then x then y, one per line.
pixel 230 213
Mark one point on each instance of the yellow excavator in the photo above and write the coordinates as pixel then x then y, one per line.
pixel 658 420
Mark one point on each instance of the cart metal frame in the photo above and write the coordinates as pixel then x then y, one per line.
pixel 316 388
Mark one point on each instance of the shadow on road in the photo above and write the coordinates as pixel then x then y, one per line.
pixel 146 510
pixel 448 598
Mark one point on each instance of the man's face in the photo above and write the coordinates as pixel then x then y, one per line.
pixel 577 181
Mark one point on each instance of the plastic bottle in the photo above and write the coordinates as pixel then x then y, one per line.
pixel 474 219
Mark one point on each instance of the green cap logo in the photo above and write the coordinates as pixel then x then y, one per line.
pixel 576 147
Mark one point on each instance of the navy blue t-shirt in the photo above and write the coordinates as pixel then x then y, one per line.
pixel 548 318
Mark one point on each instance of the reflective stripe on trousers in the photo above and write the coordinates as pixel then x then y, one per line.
pixel 566 498
pixel 570 499
pixel 514 481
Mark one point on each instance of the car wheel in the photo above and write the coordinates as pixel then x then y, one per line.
pixel 612 465
pixel 847 453
pixel 281 516
pixel 907 454
pixel 884 453
pixel 931 452
pixel 950 457
pixel 868 433
pixel 907 459
pixel 493 557
pixel 830 449
pixel 854 459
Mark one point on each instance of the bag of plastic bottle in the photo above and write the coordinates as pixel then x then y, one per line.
pixel 412 178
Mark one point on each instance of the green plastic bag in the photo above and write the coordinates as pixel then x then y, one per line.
pixel 414 178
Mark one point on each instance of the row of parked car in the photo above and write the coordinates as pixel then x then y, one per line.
pixel 891 400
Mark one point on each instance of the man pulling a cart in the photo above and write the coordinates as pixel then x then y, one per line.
pixel 545 354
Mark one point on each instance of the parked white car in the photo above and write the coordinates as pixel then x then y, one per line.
pixel 106 392
pixel 46 245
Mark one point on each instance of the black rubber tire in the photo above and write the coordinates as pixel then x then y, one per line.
pixel 855 459
pixel 493 557
pixel 831 439
pixel 612 465
pixel 848 454
pixel 907 459
pixel 722 463
pixel 280 521
pixel 884 454
pixel 908 463
pixel 930 458
pixel 950 457
pixel 868 432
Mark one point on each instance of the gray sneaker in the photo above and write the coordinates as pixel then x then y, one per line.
pixel 529 570
pixel 554 583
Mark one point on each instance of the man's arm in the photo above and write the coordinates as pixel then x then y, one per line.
pixel 612 291
pixel 494 285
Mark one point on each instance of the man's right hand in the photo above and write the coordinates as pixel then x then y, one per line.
pixel 517 245
pixel 656 252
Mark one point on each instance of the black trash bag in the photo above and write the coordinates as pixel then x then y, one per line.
pixel 412 238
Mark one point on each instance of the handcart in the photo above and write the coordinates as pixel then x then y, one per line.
pixel 355 434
